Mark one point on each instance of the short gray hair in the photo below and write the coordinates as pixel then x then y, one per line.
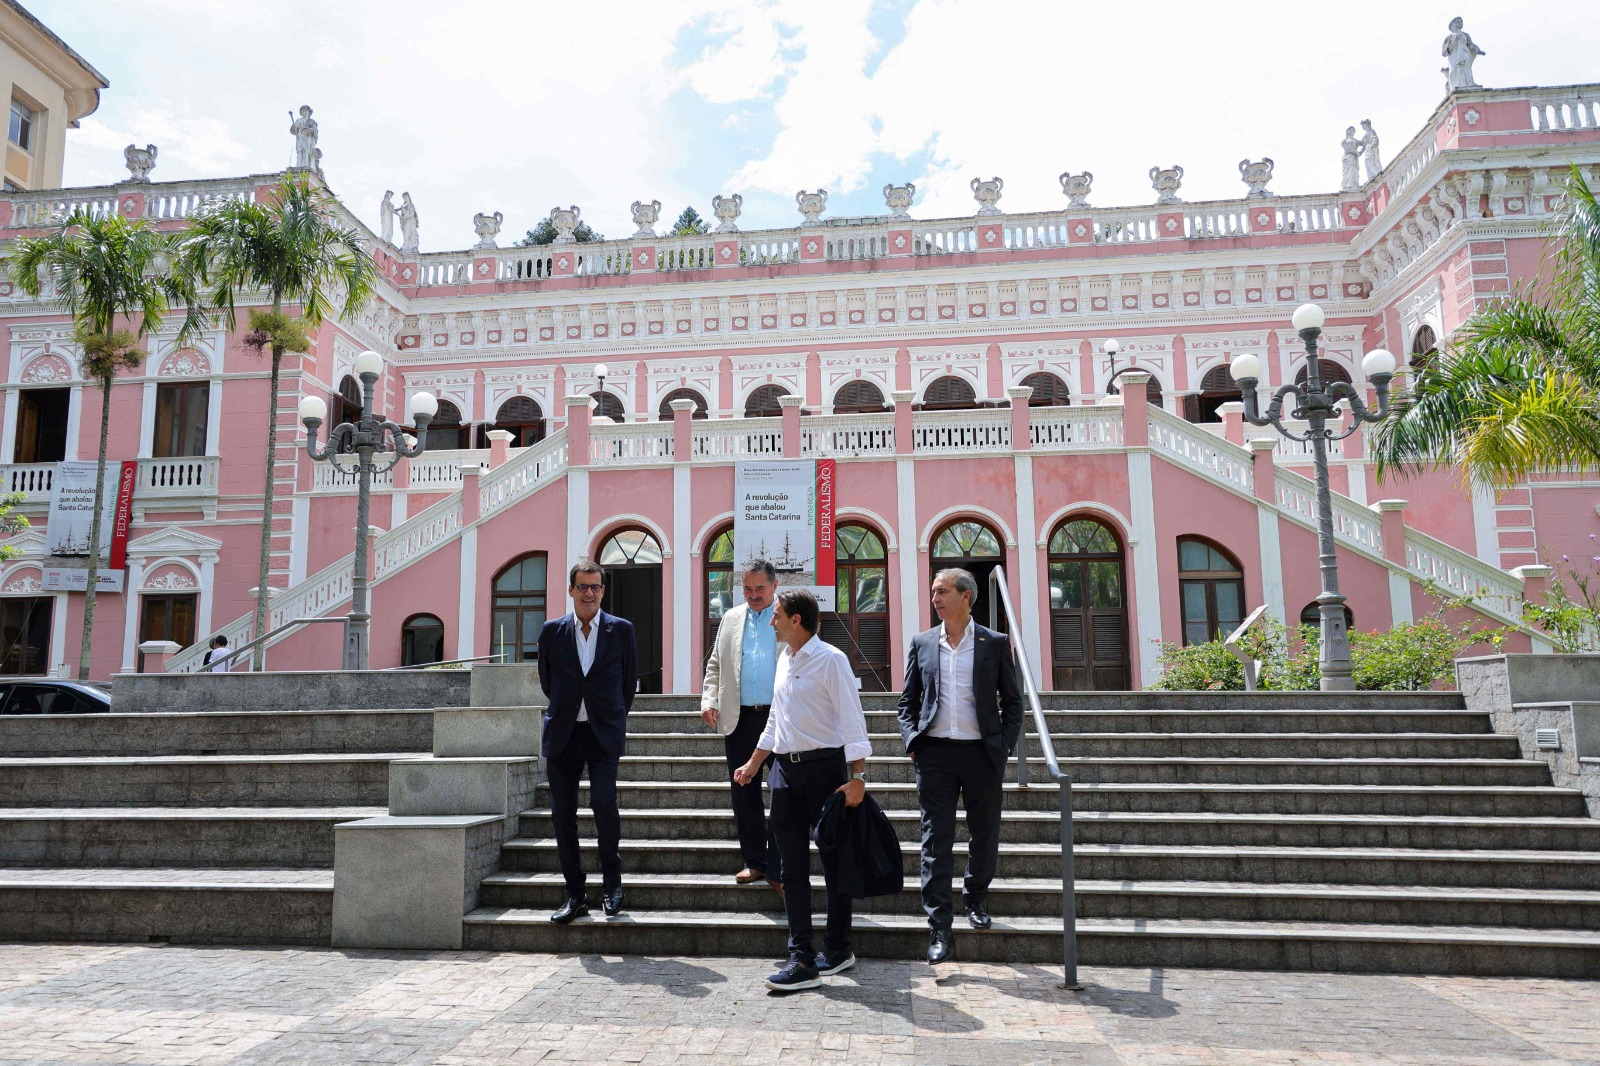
pixel 962 580
pixel 762 567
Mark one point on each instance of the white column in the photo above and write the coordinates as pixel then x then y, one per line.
pixel 905 469
pixel 214 417
pixel 147 421
pixel 1271 563
pixel 8 432
pixel 1028 568
pixel 467 611
pixel 130 625
pixel 208 584
pixel 1485 541
pixel 58 635
pixel 299 537
pixel 683 598
pixel 1146 564
pixel 74 420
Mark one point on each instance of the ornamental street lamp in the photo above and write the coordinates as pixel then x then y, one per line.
pixel 1317 403
pixel 378 445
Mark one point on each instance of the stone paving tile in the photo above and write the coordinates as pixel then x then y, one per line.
pixel 181 1006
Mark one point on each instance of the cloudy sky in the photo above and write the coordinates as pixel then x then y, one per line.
pixel 520 106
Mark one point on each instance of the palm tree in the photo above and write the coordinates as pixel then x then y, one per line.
pixel 289 247
pixel 1518 390
pixel 104 268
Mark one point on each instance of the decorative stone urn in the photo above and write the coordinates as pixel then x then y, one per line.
pixel 565 220
pixel 897 198
pixel 1166 183
pixel 727 208
pixel 488 227
pixel 811 204
pixel 1077 186
pixel 140 161
pixel 987 193
pixel 1256 175
pixel 645 216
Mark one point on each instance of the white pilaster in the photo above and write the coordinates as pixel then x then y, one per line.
pixel 1028 568
pixel 467 614
pixel 130 626
pixel 577 533
pixel 1271 563
pixel 1399 598
pixel 58 634
pixel 74 420
pixel 208 584
pixel 8 432
pixel 398 507
pixel 147 421
pixel 683 600
pixel 1486 543
pixel 299 537
pixel 214 417
pixel 910 557
pixel 1357 471
pixel 1146 565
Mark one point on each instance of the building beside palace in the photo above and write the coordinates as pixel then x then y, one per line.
pixel 955 368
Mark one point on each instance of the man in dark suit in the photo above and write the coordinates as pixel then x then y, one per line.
pixel 960 714
pixel 588 668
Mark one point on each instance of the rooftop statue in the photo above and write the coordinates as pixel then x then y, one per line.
pixel 409 241
pixel 304 129
pixel 1459 49
pixel 386 217
pixel 1369 149
pixel 1350 173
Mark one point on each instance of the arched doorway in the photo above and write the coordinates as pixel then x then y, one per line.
pixel 763 402
pixel 720 594
pixel 859 623
pixel 1216 389
pixel 1088 606
pixel 517 609
pixel 522 417
pixel 1048 390
pixel 421 640
pixel 632 560
pixel 949 393
pixel 667 413
pixel 858 398
pixel 975 548
pixel 1327 370
pixel 446 431
pixel 1210 590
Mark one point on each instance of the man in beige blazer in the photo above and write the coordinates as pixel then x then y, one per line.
pixel 736 698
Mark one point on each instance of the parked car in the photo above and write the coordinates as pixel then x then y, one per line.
pixel 43 695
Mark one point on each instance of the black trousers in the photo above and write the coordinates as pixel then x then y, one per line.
pixel 946 769
pixel 749 812
pixel 583 753
pixel 799 789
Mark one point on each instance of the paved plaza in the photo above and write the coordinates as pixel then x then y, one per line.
pixel 182 1005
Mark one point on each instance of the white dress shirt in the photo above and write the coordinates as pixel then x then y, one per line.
pixel 957 716
pixel 815 704
pixel 586 646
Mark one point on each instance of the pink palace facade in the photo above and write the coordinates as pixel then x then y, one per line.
pixel 903 348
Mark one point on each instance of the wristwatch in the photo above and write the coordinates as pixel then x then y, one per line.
pixel 861 776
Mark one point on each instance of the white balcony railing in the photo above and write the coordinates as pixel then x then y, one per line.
pixel 936 432
pixel 738 438
pixel 630 443
pixel 33 480
pixel 847 436
pixel 1076 428
pixel 1190 446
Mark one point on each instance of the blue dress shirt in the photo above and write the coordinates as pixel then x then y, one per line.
pixel 758 662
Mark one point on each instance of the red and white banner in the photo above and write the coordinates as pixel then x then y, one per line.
pixel 122 517
pixel 824 520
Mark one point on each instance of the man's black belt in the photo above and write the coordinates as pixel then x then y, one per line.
pixel 812 755
pixel 755 706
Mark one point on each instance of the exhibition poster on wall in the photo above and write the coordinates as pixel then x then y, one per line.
pixel 783 513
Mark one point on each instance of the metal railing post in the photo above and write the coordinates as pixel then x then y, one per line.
pixel 1069 894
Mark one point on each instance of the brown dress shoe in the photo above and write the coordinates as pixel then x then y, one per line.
pixel 748 876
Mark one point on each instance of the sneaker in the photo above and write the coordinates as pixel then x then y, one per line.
pixel 793 977
pixel 830 963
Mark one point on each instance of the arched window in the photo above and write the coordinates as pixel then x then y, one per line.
pixel 763 402
pixel 1311 615
pixel 858 398
pixel 522 417
pixel 518 608
pixel 859 623
pixel 1048 390
pixel 975 548
pixel 1088 606
pixel 949 393
pixel 446 430
pixel 421 640
pixel 1216 389
pixel 608 406
pixel 1424 346
pixel 720 593
pixel 346 406
pixel 1210 590
pixel 632 558
pixel 1328 370
pixel 683 394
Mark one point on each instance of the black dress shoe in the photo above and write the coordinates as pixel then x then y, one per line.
pixel 938 946
pixel 611 902
pixel 574 907
pixel 977 917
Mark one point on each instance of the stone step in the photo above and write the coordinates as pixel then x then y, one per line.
pixel 1015 897
pixel 200 906
pixel 172 836
pixel 1128 862
pixel 320 780
pixel 1311 946
pixel 1114 828
pixel 1149 700
pixel 1273 720
pixel 1498 801
pixel 1132 769
pixel 1179 745
pixel 216 733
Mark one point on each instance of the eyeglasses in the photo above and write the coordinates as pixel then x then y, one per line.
pixel 593 590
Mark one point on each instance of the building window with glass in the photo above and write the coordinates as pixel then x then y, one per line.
pixel 518 610
pixel 1210 590
pixel 182 411
pixel 23 120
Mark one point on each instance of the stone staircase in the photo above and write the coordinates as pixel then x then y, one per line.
pixel 1387 832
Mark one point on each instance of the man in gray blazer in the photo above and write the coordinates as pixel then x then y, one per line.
pixel 960 714
pixel 735 698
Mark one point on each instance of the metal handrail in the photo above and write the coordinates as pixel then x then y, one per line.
pixel 1252 666
pixel 1069 897
pixel 236 655
pixel 445 662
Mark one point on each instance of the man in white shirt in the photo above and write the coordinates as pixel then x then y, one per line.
pixel 818 733
pixel 960 714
